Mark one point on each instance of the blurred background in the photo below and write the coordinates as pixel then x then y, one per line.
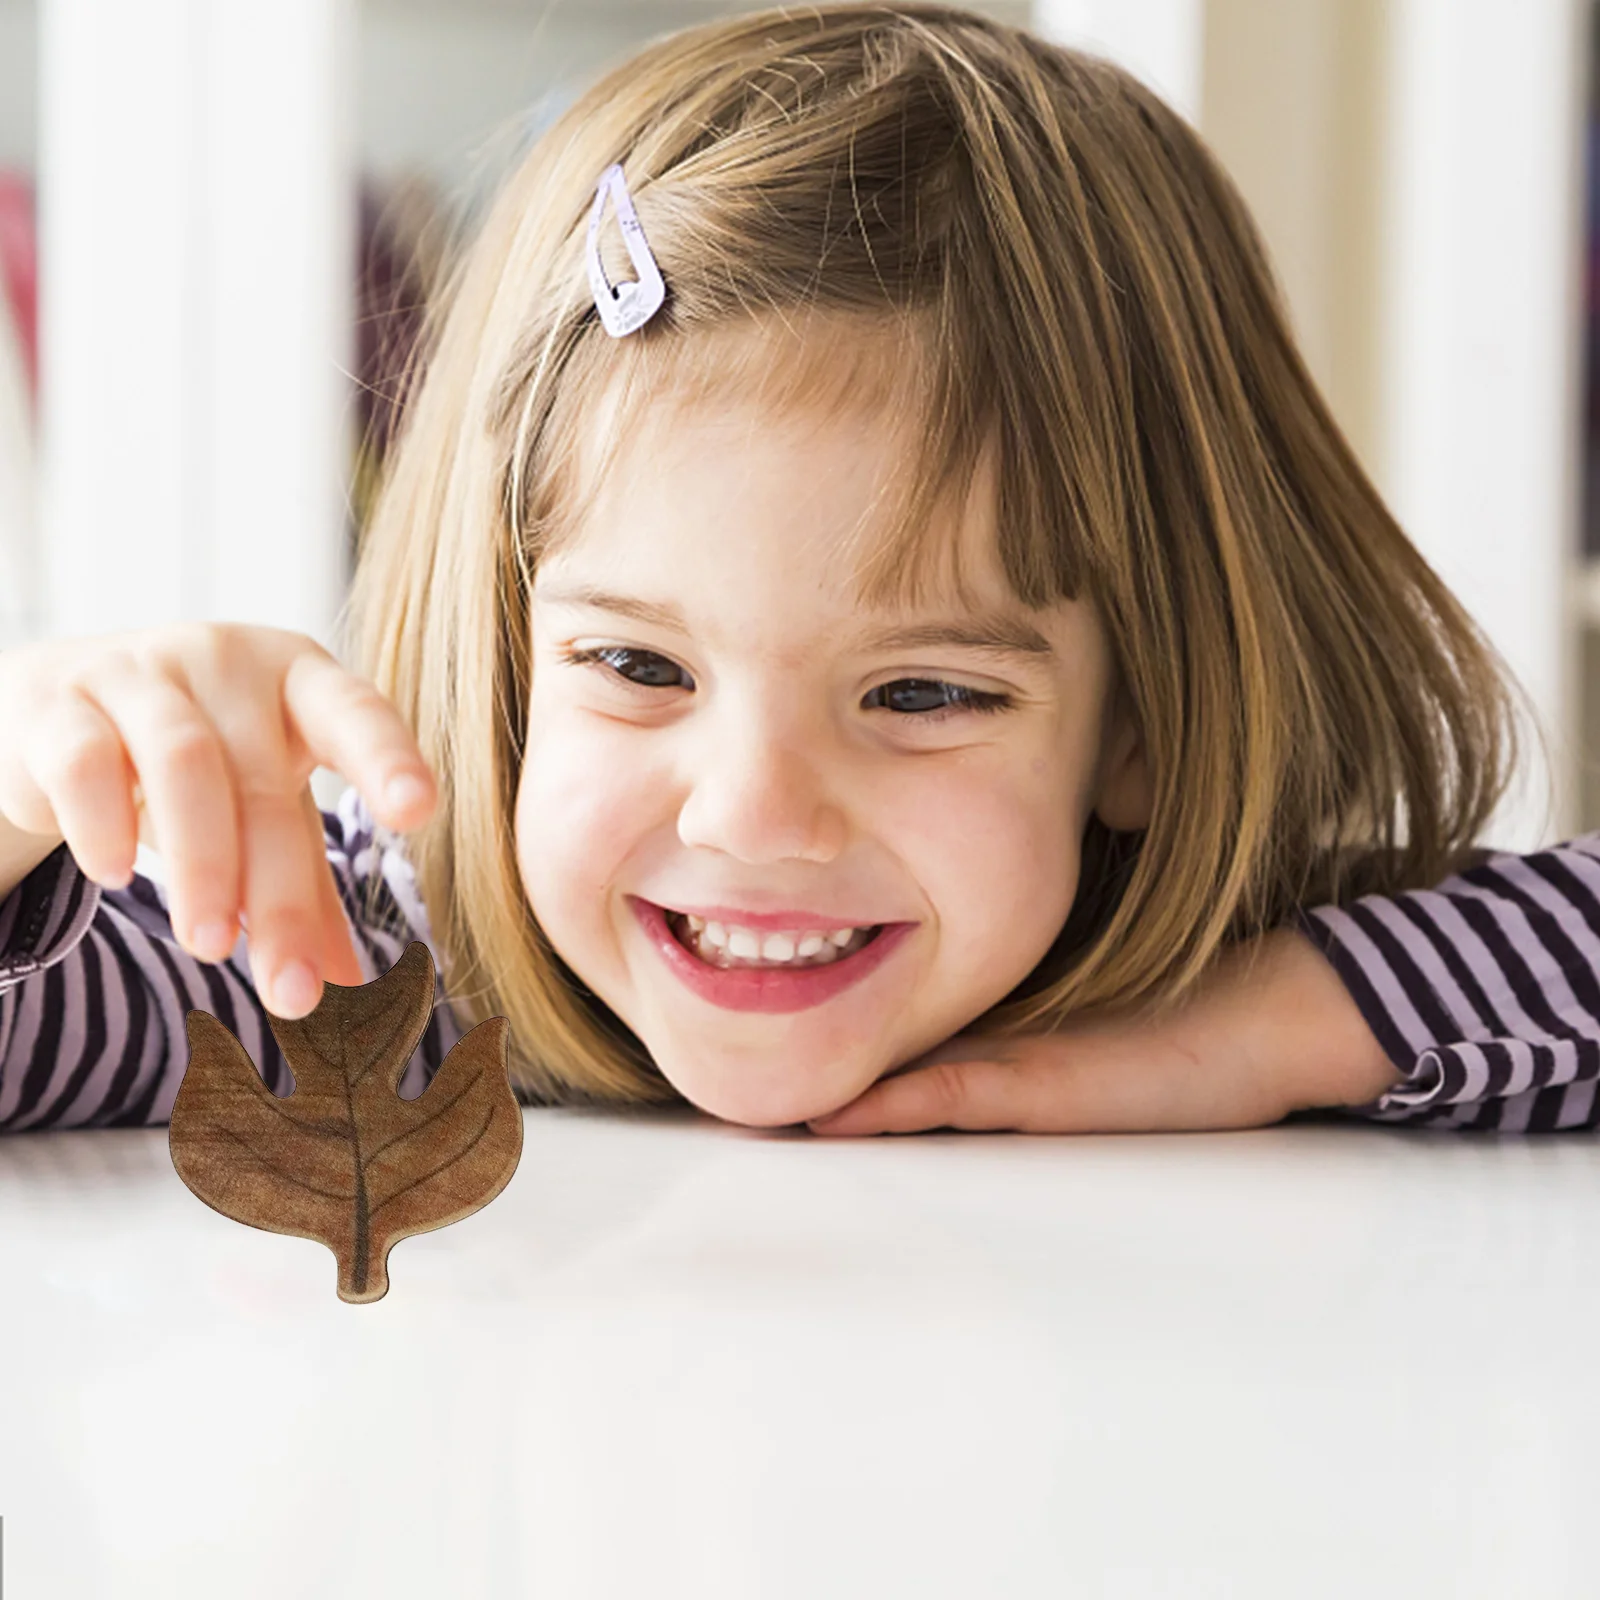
pixel 219 220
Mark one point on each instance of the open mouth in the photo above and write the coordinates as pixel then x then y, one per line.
pixel 748 969
pixel 730 947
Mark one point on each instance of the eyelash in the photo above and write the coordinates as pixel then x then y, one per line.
pixel 964 699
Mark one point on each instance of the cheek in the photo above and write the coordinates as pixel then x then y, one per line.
pixel 997 855
pixel 584 804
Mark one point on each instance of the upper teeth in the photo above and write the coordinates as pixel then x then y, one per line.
pixel 750 945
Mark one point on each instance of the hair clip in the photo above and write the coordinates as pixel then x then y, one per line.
pixel 630 304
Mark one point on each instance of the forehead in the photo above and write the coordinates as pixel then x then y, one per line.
pixel 793 444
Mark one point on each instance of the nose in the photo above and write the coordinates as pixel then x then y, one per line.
pixel 760 792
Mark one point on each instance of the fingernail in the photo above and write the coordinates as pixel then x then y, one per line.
pixel 403 793
pixel 295 989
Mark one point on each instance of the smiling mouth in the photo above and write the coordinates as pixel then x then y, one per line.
pixel 730 947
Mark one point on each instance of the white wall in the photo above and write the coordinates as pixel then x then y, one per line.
pixel 196 311
pixel 1481 333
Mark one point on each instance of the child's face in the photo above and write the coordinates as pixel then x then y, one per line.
pixel 770 758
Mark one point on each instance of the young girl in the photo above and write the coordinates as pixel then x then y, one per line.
pixel 902 660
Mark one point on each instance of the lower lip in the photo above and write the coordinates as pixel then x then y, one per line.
pixel 767 988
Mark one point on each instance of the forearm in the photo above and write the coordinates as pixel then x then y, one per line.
pixel 1268 1031
pixel 1280 1002
pixel 20 853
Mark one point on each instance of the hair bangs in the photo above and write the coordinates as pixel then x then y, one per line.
pixel 791 363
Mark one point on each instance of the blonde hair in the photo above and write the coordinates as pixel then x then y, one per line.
pixel 1075 282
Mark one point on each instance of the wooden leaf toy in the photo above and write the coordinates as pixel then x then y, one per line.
pixel 344 1159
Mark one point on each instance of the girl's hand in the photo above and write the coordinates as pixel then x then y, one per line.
pixel 199 740
pixel 1269 1031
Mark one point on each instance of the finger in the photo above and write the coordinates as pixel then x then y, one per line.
pixel 351 727
pixel 1066 1084
pixel 75 778
pixel 188 794
pixel 282 869
pixel 341 962
pixel 974 1096
pixel 284 906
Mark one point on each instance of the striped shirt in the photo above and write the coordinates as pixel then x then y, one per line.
pixel 94 986
pixel 1484 992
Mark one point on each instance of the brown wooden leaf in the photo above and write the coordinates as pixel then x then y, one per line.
pixel 344 1159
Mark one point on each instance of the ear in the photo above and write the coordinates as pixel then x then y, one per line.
pixel 1124 790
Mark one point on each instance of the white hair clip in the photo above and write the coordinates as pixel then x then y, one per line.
pixel 631 304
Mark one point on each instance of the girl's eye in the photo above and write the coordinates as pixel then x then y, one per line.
pixel 933 699
pixel 928 699
pixel 642 668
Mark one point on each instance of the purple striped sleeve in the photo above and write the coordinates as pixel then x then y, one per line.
pixel 94 987
pixel 1484 992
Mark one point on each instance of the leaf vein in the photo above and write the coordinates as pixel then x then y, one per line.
pixel 449 1161
pixel 272 1166
pixel 432 1116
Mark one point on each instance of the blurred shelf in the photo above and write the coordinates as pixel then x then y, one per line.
pixel 1587 588
pixel 19 89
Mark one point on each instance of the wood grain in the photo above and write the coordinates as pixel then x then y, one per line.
pixel 344 1159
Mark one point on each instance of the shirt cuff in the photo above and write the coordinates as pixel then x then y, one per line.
pixel 45 917
pixel 1423 1079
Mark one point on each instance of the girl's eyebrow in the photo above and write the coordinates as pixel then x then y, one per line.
pixel 586 594
pixel 993 634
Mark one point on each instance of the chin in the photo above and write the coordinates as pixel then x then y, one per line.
pixel 755 1105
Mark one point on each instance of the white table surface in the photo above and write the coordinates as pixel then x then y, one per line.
pixel 675 1357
